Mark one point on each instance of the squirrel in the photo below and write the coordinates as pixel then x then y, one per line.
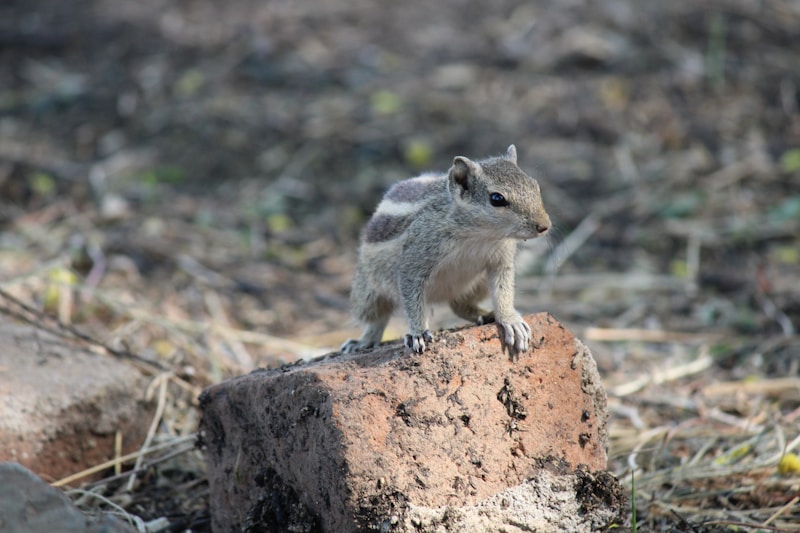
pixel 447 238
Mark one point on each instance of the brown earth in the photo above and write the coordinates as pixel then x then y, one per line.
pixel 62 406
pixel 186 180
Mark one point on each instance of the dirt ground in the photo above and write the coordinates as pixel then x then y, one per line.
pixel 187 179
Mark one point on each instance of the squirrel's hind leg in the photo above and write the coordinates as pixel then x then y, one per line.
pixel 371 337
pixel 375 314
pixel 466 305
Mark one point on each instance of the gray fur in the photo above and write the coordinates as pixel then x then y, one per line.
pixel 449 244
pixel 382 227
pixel 411 190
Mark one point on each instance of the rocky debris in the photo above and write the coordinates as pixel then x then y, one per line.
pixel 29 505
pixel 459 438
pixel 546 502
pixel 61 405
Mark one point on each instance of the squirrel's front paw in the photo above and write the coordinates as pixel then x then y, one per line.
pixel 516 334
pixel 350 346
pixel 418 343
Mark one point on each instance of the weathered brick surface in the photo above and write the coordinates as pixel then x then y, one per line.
pixel 61 405
pixel 355 442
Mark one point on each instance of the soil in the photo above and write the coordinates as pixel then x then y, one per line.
pixel 186 179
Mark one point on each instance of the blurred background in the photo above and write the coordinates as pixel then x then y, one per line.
pixel 188 178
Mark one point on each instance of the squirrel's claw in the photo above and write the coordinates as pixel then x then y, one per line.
pixel 516 335
pixel 418 343
pixel 350 346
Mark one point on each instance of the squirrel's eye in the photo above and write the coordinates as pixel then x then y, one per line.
pixel 498 200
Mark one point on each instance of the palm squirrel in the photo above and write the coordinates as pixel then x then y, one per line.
pixel 447 238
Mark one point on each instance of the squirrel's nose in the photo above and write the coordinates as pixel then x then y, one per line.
pixel 541 228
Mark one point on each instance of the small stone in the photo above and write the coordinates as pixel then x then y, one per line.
pixel 29 505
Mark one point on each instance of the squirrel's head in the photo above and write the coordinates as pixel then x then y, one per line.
pixel 499 196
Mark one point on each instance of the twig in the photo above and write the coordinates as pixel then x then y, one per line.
pixel 776 313
pixel 644 438
pixel 630 281
pixel 628 411
pixel 42 155
pixel 564 250
pixel 657 377
pixel 625 163
pixel 720 231
pixel 34 317
pixel 162 380
pixel 217 311
pixel 125 458
pixel 648 335
pixel 701 452
pixel 586 229
pixel 776 387
pixel 303 351
pixel 131 519
pixel 117 451
pixel 754 163
pixel 781 511
pixel 693 245
pixel 720 416
pixel 146 465
pixel 749 525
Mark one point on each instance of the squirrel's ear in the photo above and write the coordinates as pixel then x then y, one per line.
pixel 463 169
pixel 511 154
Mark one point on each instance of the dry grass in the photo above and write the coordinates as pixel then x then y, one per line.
pixel 669 155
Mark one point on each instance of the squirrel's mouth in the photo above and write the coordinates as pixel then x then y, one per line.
pixel 531 232
pixel 527 233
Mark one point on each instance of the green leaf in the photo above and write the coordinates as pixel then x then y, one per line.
pixel 418 153
pixel 679 268
pixel 385 102
pixel 790 160
pixel 43 184
pixel 190 83
pixel 279 223
pixel 683 205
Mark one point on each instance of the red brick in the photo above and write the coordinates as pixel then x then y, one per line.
pixel 353 442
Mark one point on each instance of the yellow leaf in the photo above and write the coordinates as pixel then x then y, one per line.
pixel 58 294
pixel 679 268
pixel 614 93
pixel 60 280
pixel 790 160
pixel 789 464
pixel 163 347
pixel 189 83
pixel 62 276
pixel 385 102
pixel 279 223
pixel 418 153
pixel 788 255
pixel 43 184
pixel 734 455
